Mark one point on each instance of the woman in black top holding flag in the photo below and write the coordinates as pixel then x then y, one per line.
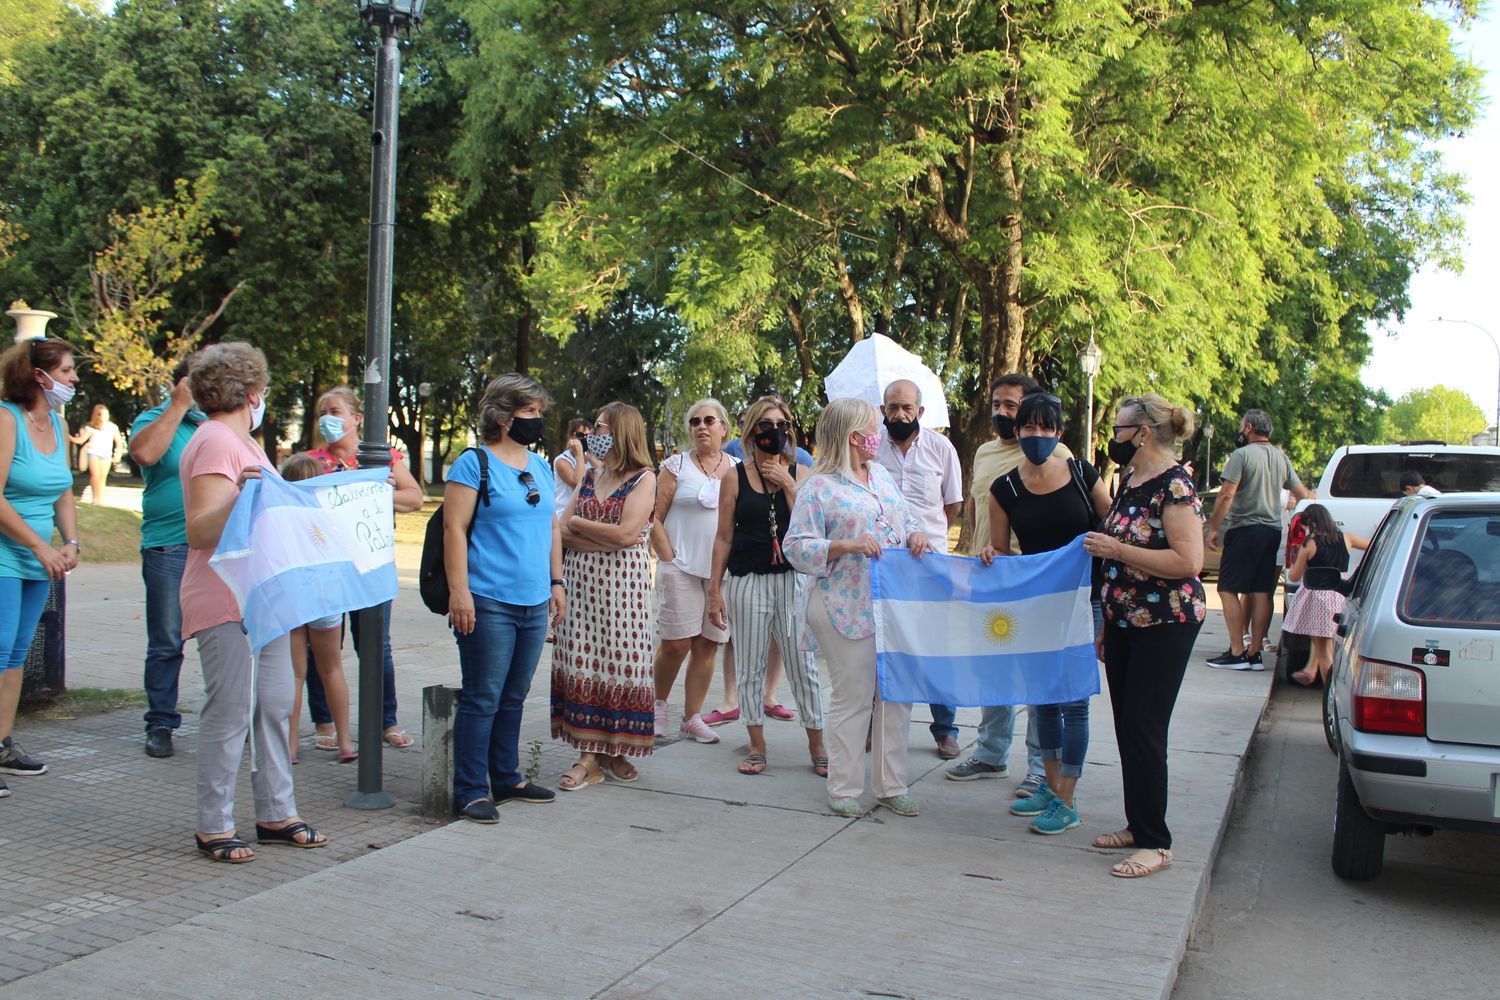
pixel 755 506
pixel 1048 500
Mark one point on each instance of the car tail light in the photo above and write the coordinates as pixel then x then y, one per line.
pixel 1389 699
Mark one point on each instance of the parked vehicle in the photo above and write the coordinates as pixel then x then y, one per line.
pixel 1413 704
pixel 1358 486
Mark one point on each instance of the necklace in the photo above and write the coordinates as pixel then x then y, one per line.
pixel 706 473
pixel 40 428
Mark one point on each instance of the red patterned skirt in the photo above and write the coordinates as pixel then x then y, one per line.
pixel 603 688
pixel 1312 611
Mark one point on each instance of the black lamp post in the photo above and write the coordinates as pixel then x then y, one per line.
pixel 375 451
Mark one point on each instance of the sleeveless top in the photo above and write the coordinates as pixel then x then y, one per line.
pixel 692 521
pixel 33 486
pixel 1335 556
pixel 755 516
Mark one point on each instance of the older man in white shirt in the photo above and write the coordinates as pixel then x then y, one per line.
pixel 925 466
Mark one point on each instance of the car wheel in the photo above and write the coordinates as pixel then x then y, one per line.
pixel 1358 840
pixel 1330 719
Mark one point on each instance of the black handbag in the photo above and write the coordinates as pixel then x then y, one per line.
pixel 432 576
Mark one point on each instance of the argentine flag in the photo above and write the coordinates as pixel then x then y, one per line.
pixel 293 552
pixel 952 631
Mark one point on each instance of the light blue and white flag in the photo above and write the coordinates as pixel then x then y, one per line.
pixel 952 631
pixel 293 552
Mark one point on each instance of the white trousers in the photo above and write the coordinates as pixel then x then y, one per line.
pixel 762 607
pixel 855 695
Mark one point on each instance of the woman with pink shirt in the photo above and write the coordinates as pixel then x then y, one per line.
pixel 845 515
pixel 229 383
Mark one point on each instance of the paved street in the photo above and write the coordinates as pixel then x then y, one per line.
pixel 1280 924
pixel 695 875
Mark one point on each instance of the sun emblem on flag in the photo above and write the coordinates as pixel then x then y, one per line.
pixel 319 539
pixel 1000 627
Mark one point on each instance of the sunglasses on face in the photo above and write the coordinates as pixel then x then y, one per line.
pixel 533 497
pixel 776 425
pixel 707 420
pixel 1117 428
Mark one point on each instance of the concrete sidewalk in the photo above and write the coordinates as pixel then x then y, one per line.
pixel 693 879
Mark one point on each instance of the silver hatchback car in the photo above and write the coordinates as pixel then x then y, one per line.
pixel 1413 706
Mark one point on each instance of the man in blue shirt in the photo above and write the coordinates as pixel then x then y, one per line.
pixel 156 441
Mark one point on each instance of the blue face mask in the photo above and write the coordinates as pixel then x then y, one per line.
pixel 1038 448
pixel 332 428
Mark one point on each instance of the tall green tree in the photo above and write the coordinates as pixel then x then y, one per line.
pixel 1440 413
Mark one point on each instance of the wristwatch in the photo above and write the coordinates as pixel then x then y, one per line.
pixel 75 543
pixel 559 583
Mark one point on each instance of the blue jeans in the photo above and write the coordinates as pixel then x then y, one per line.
pixel 161 569
pixel 942 721
pixel 496 662
pixel 1063 731
pixel 21 605
pixel 317 701
pixel 996 731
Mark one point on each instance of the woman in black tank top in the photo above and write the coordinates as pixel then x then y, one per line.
pixel 1311 612
pixel 753 588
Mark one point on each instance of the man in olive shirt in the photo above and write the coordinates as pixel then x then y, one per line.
pixel 156 441
pixel 993 459
pixel 1249 510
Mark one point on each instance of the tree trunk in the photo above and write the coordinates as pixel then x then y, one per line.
pixel 853 305
pixel 798 323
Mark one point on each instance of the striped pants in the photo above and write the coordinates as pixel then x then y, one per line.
pixel 762 607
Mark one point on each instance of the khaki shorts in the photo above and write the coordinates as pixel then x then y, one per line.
pixel 682 612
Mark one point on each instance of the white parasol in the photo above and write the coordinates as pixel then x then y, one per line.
pixel 876 362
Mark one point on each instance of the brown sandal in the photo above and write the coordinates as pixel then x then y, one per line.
pixel 580 775
pixel 1147 861
pixel 620 769
pixel 1114 841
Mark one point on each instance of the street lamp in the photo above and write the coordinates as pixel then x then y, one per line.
pixel 1208 458
pixel 1088 360
pixel 392 16
pixel 1487 333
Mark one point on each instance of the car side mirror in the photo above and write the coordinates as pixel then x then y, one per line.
pixel 1325 578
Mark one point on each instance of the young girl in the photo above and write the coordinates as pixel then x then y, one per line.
pixel 325 635
pixel 1312 611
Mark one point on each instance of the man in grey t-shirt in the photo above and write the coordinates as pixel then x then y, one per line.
pixel 1249 512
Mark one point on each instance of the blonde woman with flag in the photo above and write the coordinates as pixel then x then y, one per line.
pixel 845 515
pixel 243 689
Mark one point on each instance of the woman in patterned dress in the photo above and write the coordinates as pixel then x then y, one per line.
pixel 603 691
pixel 1151 542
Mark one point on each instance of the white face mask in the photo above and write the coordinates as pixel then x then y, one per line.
pixel 57 394
pixel 257 414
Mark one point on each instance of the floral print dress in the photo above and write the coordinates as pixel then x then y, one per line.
pixel 1132 598
pixel 603 689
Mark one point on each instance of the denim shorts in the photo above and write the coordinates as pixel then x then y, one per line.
pixel 325 624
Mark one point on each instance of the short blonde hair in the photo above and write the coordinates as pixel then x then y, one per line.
pixel 629 431
pixel 719 412
pixel 349 397
pixel 1169 424
pixel 224 376
pixel 839 419
pixel 757 412
pixel 502 398
pixel 300 466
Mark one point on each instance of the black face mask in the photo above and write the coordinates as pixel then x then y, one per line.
pixel 525 430
pixel 900 430
pixel 1122 452
pixel 1004 426
pixel 771 442
pixel 1241 439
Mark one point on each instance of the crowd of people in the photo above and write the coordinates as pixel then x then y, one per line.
pixel 760 557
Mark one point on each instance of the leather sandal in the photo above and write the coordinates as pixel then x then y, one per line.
pixel 287 835
pixel 1114 841
pixel 580 775
pixel 1147 861
pixel 223 848
pixel 620 769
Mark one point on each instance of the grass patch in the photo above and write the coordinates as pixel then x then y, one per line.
pixel 109 535
pixel 78 702
pixel 412 527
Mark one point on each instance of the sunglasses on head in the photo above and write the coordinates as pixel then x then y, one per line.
pixel 1044 396
pixel 533 497
pixel 707 420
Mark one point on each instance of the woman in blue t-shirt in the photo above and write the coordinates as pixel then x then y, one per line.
pixel 36 484
pixel 504 589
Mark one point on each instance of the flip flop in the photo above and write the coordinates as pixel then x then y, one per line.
pixel 326 741
pixel 349 758
pixel 398 738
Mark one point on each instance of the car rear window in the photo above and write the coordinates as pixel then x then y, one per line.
pixel 1378 474
pixel 1455 578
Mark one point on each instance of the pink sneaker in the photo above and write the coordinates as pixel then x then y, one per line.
pixel 695 727
pixel 718 718
pixel 661 719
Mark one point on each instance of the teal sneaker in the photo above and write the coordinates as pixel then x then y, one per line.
pixel 1035 804
pixel 901 805
pixel 847 808
pixel 1057 819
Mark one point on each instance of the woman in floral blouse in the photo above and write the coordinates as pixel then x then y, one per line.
pixel 1151 543
pixel 844 516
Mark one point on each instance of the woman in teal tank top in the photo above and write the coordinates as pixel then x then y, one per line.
pixel 36 495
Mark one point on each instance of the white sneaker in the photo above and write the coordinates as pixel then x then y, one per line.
pixel 661 720
pixel 699 730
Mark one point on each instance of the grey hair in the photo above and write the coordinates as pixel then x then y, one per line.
pixel 502 398
pixel 839 419
pixel 719 411
pixel 1168 423
pixel 1259 421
